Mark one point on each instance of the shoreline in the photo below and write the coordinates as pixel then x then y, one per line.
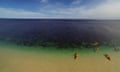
pixel 16 60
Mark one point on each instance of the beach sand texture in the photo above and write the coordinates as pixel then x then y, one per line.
pixel 15 61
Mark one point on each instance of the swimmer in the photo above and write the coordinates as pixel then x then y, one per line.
pixel 96 49
pixel 107 57
pixel 76 56
pixel 95 46
pixel 116 49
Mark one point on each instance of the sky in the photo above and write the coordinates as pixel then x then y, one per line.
pixel 73 9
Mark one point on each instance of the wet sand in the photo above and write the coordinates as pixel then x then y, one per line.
pixel 18 61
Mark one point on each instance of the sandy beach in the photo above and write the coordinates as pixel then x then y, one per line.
pixel 18 61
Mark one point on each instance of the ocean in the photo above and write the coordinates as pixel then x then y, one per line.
pixel 59 32
pixel 50 45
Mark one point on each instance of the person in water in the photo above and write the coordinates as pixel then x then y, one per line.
pixel 107 57
pixel 116 49
pixel 95 45
pixel 76 56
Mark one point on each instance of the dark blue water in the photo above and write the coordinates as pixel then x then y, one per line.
pixel 59 32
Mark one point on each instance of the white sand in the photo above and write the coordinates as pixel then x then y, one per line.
pixel 14 61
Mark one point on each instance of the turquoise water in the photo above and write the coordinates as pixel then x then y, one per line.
pixel 53 50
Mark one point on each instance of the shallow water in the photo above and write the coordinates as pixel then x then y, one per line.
pixel 15 58
pixel 20 50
